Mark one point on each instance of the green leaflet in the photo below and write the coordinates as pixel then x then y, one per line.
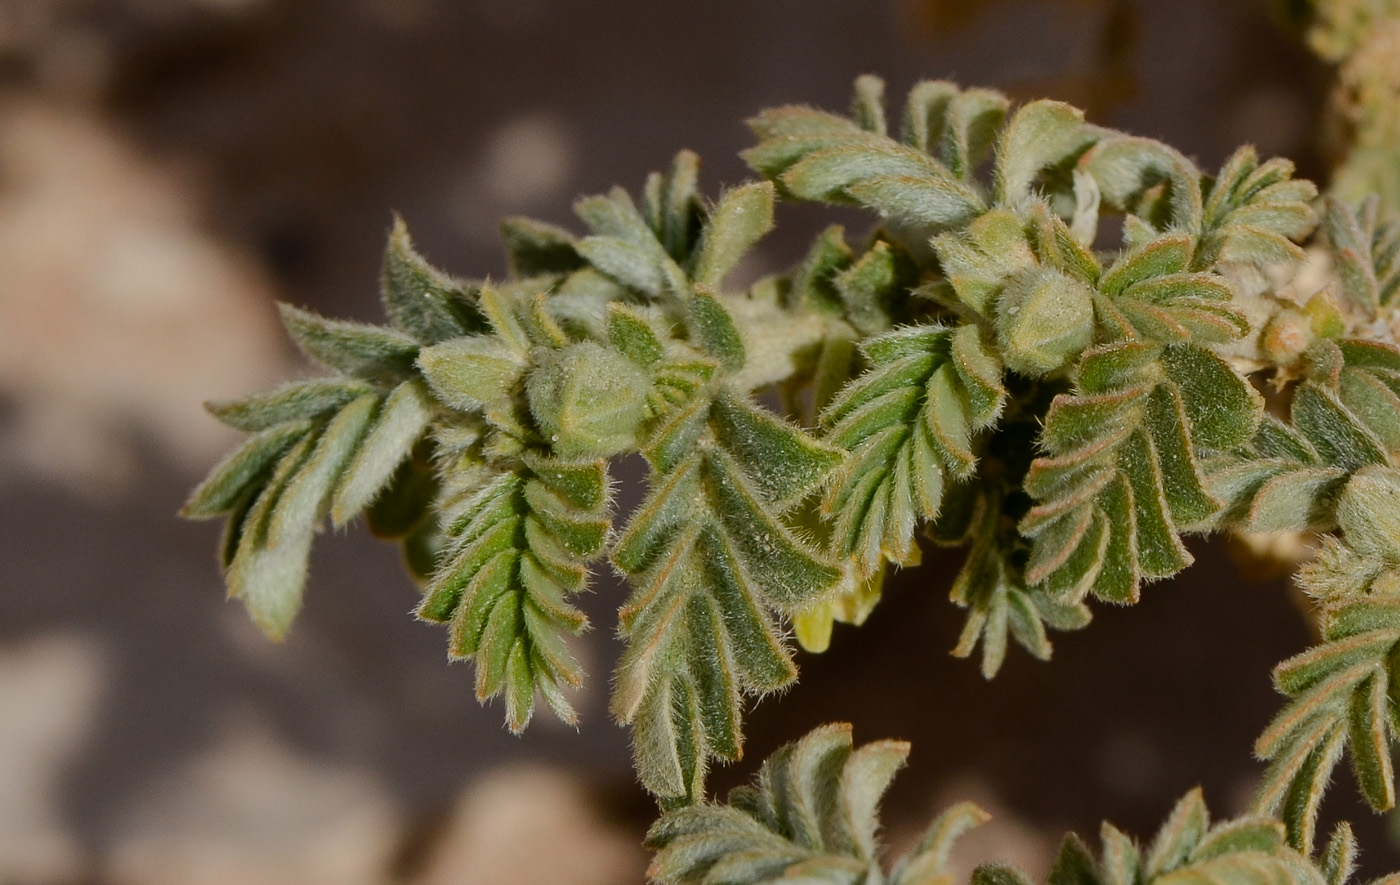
pixel 400 423
pixel 516 551
pixel 421 300
pixel 298 401
pixel 811 815
pixel 1254 211
pixel 1340 422
pixel 711 562
pixel 1366 249
pixel 1147 180
pixel 1039 136
pixel 233 478
pixel 374 353
pixel 1340 698
pixel 536 249
pixel 1245 851
pixel 1000 606
pixel 737 222
pixel 926 181
pixel 1120 475
pixel 1250 213
pixel 1150 292
pixel 874 289
pixel 908 423
pixel 670 243
pixel 318 443
pixel 811 812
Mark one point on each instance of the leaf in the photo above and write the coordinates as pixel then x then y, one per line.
pixel 306 497
pixel 1340 698
pixel 642 268
pixel 956 126
pixel 401 422
pixel 818 156
pixel 633 336
pixel 1120 478
pixel 229 481
pixel 907 423
pixel 1000 606
pixel 1254 211
pixel 374 353
pixel 420 300
pixel 811 812
pixel 1177 839
pixel 936 203
pixel 534 248
pixel 472 373
pixel 710 562
pixel 713 329
pixel 872 288
pixel 1129 171
pixel 1368 511
pixel 517 551
pixel 809 816
pixel 271 580
pixel 1039 135
pixel 785 463
pixel 300 400
pixel 672 206
pixel 738 221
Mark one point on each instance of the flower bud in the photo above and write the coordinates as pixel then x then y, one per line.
pixel 1044 319
pixel 587 400
pixel 1369 511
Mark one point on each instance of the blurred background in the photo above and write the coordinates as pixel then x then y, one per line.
pixel 171 168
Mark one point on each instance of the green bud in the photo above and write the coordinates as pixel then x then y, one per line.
pixel 588 401
pixel 1044 319
pixel 1369 511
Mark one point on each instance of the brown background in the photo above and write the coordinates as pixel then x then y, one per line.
pixel 169 168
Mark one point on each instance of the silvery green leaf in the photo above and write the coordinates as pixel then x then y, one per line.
pixel 534 248
pixel 515 554
pixel 232 477
pixel 299 400
pixel 936 203
pixel 711 562
pixel 737 222
pixel 633 336
pixel 400 423
pixel 305 498
pixel 712 327
pixel 637 267
pixel 421 300
pixel 1038 136
pixel 874 288
pixel 373 353
pixel 868 104
pixel 1127 169
pixel 672 205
